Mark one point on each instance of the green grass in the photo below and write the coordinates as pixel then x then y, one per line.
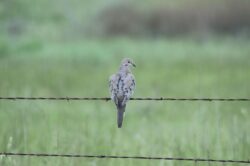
pixel 171 68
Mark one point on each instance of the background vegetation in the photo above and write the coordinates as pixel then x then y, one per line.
pixel 69 48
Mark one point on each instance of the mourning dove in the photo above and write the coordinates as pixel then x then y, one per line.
pixel 121 87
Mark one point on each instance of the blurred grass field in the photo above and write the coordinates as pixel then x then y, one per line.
pixel 217 67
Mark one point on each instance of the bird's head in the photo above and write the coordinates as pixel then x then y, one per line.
pixel 127 63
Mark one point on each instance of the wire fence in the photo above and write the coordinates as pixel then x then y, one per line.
pixel 123 157
pixel 9 154
pixel 136 98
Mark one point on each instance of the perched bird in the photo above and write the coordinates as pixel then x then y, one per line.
pixel 121 87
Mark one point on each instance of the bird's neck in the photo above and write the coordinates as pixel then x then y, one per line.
pixel 124 70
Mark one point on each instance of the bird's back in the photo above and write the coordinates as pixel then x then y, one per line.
pixel 121 85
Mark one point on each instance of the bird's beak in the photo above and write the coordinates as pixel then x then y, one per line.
pixel 133 65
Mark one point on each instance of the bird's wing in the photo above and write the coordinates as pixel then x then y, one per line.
pixel 113 86
pixel 129 85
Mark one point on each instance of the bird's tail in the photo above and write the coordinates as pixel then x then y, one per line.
pixel 120 113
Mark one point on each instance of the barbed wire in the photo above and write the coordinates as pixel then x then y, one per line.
pixel 136 98
pixel 122 157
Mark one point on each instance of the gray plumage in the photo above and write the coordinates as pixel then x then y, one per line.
pixel 121 87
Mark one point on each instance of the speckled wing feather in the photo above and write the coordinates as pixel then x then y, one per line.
pixel 129 87
pixel 113 88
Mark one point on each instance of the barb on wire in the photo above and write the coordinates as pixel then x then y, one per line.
pixel 136 98
pixel 123 157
